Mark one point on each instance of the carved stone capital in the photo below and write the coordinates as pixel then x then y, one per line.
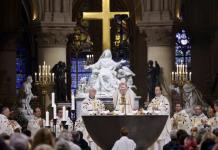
pixel 53 35
pixel 157 34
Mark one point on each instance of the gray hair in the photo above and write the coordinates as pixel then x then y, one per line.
pixel 62 144
pixel 65 135
pixel 19 141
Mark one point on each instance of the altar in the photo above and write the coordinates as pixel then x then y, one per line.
pixel 143 129
pixel 108 102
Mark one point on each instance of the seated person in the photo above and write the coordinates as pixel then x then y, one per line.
pixel 180 119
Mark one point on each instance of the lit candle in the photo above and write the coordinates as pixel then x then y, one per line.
pixel 176 76
pixel 52 77
pixel 64 113
pixel 39 77
pixel 40 69
pixel 190 76
pixel 35 76
pixel 177 68
pixel 67 113
pixel 186 75
pixel 173 76
pixel 52 99
pixel 72 101
pixel 55 112
pixel 47 119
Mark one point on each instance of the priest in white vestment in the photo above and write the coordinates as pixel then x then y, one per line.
pixel 124 143
pixel 160 105
pixel 181 119
pixel 36 122
pixel 199 119
pixel 90 106
pixel 124 99
pixel 5 124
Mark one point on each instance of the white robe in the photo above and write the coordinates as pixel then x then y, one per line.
pixel 87 107
pixel 5 125
pixel 213 121
pixel 124 143
pixel 182 121
pixel 33 125
pixel 197 120
pixel 163 108
pixel 130 101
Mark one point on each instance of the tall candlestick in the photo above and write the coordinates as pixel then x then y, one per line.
pixel 40 69
pixel 72 102
pixel 173 76
pixel 35 76
pixel 47 119
pixel 52 99
pixel 190 76
pixel 67 113
pixel 64 114
pixel 177 68
pixel 52 77
pixel 55 112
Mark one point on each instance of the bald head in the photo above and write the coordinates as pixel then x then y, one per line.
pixel 92 92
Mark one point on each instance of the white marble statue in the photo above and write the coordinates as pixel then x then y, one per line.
pixel 106 74
pixel 26 108
pixel 192 97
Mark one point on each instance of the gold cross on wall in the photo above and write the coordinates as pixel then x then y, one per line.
pixel 105 16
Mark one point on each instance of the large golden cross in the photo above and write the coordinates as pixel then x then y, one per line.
pixel 105 16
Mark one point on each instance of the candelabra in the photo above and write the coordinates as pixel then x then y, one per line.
pixel 181 76
pixel 44 80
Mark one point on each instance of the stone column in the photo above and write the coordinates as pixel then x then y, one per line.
pixel 160 48
pixel 58 15
pixel 47 17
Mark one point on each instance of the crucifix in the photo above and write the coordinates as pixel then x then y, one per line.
pixel 105 16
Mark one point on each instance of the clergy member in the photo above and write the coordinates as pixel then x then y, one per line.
pixel 36 122
pixel 124 143
pixel 89 105
pixel 160 105
pixel 5 124
pixel 199 119
pixel 180 119
pixel 124 98
pixel 213 118
pixel 92 104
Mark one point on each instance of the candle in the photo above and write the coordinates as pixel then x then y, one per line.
pixel 173 76
pixel 35 76
pixel 49 68
pixel 52 77
pixel 55 112
pixel 177 68
pixel 64 113
pixel 67 113
pixel 176 76
pixel 186 75
pixel 40 69
pixel 47 119
pixel 72 102
pixel 190 76
pixel 52 99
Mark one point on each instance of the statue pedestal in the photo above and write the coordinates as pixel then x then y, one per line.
pixel 107 101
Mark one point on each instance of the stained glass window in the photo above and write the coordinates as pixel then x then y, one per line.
pixel 183 48
pixel 80 62
pixel 21 70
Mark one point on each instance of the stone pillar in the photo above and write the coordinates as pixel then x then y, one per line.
pixel 157 24
pixel 160 48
